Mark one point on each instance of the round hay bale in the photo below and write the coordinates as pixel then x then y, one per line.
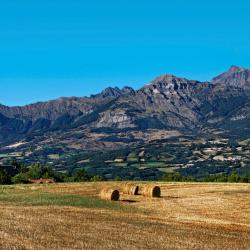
pixel 151 191
pixel 110 194
pixel 131 189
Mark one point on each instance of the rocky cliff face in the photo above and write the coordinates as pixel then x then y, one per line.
pixel 235 77
pixel 168 103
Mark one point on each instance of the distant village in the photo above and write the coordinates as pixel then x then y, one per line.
pixel 190 157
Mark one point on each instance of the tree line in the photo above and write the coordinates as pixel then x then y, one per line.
pixel 37 171
pixel 233 177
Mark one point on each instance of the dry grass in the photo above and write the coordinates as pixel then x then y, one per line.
pixel 70 216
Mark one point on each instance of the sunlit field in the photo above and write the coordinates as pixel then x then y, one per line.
pixel 71 216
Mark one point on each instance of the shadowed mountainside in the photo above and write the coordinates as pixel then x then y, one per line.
pixel 167 103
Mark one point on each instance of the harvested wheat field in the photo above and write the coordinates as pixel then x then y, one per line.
pixel 72 216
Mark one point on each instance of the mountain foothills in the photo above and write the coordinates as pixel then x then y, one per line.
pixel 169 109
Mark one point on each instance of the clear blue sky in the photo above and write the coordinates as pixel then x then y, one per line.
pixel 52 48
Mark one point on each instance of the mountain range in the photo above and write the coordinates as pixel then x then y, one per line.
pixel 167 106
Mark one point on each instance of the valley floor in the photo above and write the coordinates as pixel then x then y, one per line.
pixel 70 216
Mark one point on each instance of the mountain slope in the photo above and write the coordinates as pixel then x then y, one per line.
pixel 166 103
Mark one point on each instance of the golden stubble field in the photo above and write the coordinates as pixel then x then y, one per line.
pixel 188 216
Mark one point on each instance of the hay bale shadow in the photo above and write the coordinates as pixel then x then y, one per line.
pixel 128 201
pixel 169 197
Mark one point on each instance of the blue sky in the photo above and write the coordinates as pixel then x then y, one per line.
pixel 54 48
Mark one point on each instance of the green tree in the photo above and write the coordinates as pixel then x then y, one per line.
pixel 234 177
pixel 20 166
pixel 35 171
pixel 177 177
pixel 96 178
pixel 81 175
pixel 20 178
pixel 118 178
pixel 5 178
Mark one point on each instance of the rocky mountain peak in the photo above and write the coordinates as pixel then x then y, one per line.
pixel 234 69
pixel 113 92
pixel 170 82
pixel 127 90
pixel 165 79
pixel 108 92
pixel 236 77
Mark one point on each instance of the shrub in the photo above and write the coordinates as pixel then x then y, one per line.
pixel 20 178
